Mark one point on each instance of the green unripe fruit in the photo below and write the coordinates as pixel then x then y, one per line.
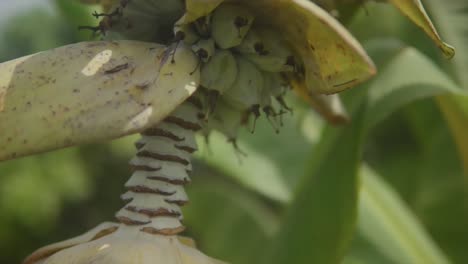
pixel 277 85
pixel 186 33
pixel 271 52
pixel 252 44
pixel 230 23
pixel 246 90
pixel 220 72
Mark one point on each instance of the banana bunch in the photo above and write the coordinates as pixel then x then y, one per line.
pixel 242 67
pixel 247 59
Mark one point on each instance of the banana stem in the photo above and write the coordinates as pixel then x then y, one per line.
pixel 161 167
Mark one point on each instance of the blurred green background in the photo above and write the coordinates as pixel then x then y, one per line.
pixel 294 198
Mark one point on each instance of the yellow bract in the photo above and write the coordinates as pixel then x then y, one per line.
pixel 198 8
pixel 88 92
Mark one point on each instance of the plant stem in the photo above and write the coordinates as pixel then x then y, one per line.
pixel 161 170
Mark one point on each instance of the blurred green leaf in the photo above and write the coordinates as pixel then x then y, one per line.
pixel 256 171
pixel 414 152
pixel 320 222
pixel 386 222
pixel 228 221
pixel 273 170
pixel 33 192
pixel 77 14
pixel 455 110
pixel 417 78
pixel 377 21
pixel 20 34
pixel 364 252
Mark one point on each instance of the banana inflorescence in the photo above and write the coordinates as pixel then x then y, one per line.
pixel 221 70
pixel 243 68
pixel 244 65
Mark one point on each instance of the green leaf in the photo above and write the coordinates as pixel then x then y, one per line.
pixel 20 34
pixel 388 223
pixel 414 153
pixel 320 222
pixel 455 110
pixel 364 252
pixel 77 14
pixel 238 221
pixel 43 184
pixel 256 171
pixel 263 168
pixel 409 76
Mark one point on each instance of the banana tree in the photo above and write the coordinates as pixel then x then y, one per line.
pixel 192 66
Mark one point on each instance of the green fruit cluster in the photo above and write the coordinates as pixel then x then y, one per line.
pixel 243 67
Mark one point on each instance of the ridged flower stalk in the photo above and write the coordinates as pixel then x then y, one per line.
pixel 161 169
pixel 152 218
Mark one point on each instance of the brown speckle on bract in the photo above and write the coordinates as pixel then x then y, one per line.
pixel 142 86
pixel 2 99
pixel 67 101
